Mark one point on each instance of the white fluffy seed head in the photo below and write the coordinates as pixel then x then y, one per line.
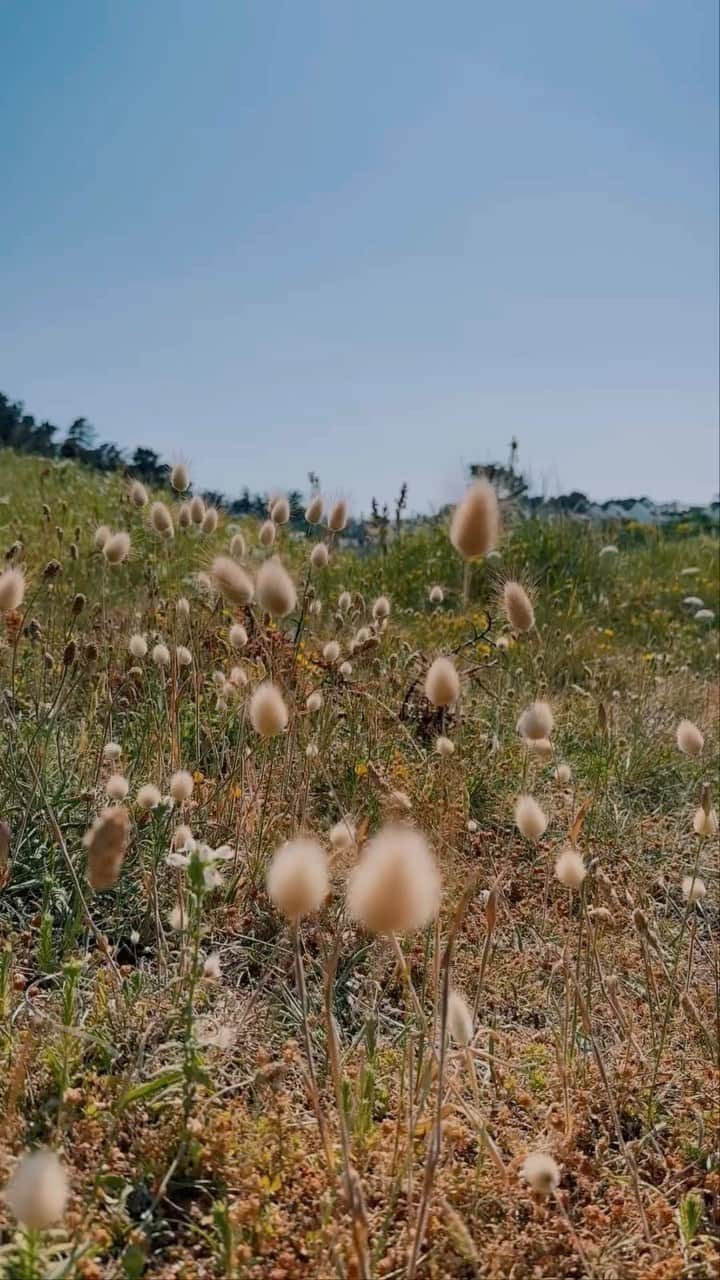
pixel 138 494
pixel 476 521
pixel 312 751
pixel 381 608
pixel 148 797
pixel 442 683
pixel 12 590
pixel 275 589
pixel 268 713
pixel 459 1019
pixel 570 869
pixel 313 701
pixel 331 651
pixel 112 751
pixel 183 655
pixel 345 670
pixel 437 595
pixel 536 721
pixel 689 738
pixel 541 747
pixel 137 645
pixel 102 533
pixel 529 818
pixel 117 786
pixel 181 786
pixel 314 510
pixel 197 509
pixel 338 516
pixel 210 520
pixel 563 774
pixel 238 678
pixel 705 824
pixel 180 477
pixel 37 1192
pixel 231 580
pixel 319 556
pixel 316 608
pixel 161 655
pixel 161 520
pixel 238 636
pixel 342 835
pixel 395 887
pixel 182 607
pixel 444 746
pixel 280 511
pixel 541 1173
pixel 237 546
pixel 518 607
pixel 344 601
pixel 266 536
pixel 184 517
pixel 297 879
pixel 117 547
pixel 694 889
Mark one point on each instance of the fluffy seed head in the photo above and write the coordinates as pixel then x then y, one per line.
pixel 459 1019
pixel 476 521
pixel 268 713
pixel 518 607
pixel 529 818
pixel 117 786
pixel 314 701
pixel 319 556
pixel 180 477
pixel 137 645
pixel 442 683
pixel 117 547
pixel 570 868
pixel 342 835
pixel 112 751
pixel 338 516
pixel 238 636
pixel 381 608
pixel 237 546
pixel 437 595
pixel 331 651
pixel 345 670
pixel 275 589
pixel 689 738
pixel 197 509
pixel 12 590
pixel 148 797
pixel 444 746
pixel 231 580
pixel 210 520
pixel 106 843
pixel 314 510
pixel 563 774
pixel 705 824
pixel 184 516
pixel 102 533
pixel 181 786
pixel 161 520
pixel 266 535
pixel 138 494
pixel 37 1192
pixel 161 655
pixel 541 1173
pixel 395 887
pixel 536 721
pixel 694 889
pixel 183 655
pixel 238 678
pixel 541 747
pixel 280 511
pixel 297 879
pixel 344 601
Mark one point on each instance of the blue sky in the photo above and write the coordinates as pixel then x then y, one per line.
pixel 375 238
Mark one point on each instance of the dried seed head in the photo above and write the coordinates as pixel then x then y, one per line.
pixel 117 786
pixel 280 511
pixel 238 636
pixel 437 595
pixel 344 601
pixel 476 521
pixel 705 823
pixel 518 607
pixel 231 580
pixel 600 915
pixel 148 797
pixel 69 653
pixel 210 520
pixel 530 820
pixel 536 721
pixel 106 843
pixel 197 509
pixel 237 546
pixel 444 746
pixel 541 1173
pixel 181 786
pixel 319 556
pixel 689 738
pixel 112 751
pixel 459 1019
pixel 12 590
pixel 183 655
pixel 161 655
pixel 343 835
pixel 381 608
pixel 266 536
pixel 563 774
pixel 238 678
pixel 694 889
pixel 117 547
pixel 102 533
pixel 314 701
pixel 338 516
pixel 297 879
pixel 161 520
pixel 541 747
pixel 345 670
pixel 78 604
pixel 138 645
pixel 52 569
pixel 180 477
pixel 268 713
pixel 570 868
pixel 275 589
pixel 331 651
pixel 314 510
pixel 395 887
pixel 442 683
pixel 37 1192
pixel 184 518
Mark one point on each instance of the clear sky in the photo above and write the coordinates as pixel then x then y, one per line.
pixel 370 237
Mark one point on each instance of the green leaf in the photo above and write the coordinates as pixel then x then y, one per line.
pixel 133 1262
pixel 691 1212
pixel 151 1088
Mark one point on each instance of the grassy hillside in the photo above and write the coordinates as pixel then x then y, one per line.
pixel 168 1036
